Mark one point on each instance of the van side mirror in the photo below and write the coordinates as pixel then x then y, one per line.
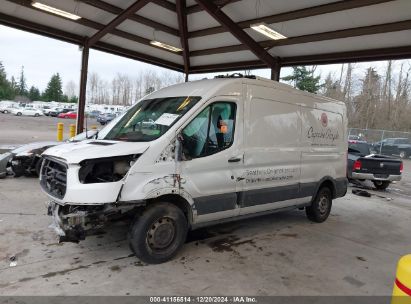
pixel 179 148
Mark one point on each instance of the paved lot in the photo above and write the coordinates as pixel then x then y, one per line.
pixel 17 130
pixel 354 253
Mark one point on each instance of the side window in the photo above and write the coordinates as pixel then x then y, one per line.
pixel 211 131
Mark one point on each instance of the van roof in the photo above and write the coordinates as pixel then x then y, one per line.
pixel 207 88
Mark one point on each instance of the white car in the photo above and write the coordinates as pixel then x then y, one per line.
pixel 223 149
pixel 6 109
pixel 27 112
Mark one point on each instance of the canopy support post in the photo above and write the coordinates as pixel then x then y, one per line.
pixel 83 86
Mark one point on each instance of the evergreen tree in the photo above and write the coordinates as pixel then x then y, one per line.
pixel 54 91
pixel 34 93
pixel 304 79
pixel 13 87
pixel 73 99
pixel 22 85
pixel 6 91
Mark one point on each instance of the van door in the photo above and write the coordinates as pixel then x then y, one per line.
pixel 272 152
pixel 212 148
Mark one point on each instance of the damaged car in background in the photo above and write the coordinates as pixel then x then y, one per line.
pixel 26 160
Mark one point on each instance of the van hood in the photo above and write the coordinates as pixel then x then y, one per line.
pixel 74 153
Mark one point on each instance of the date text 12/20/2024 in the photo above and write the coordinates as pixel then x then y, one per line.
pixel 204 299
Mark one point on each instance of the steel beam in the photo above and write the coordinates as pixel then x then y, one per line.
pixel 25 25
pixel 92 24
pixel 275 73
pixel 131 10
pixel 237 32
pixel 293 15
pixel 182 25
pixel 339 34
pixel 166 4
pixel 220 3
pixel 393 53
pixel 107 7
pixel 83 86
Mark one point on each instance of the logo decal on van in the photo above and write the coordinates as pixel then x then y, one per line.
pixel 324 120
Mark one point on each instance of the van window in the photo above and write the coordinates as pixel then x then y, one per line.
pixel 211 131
pixel 151 118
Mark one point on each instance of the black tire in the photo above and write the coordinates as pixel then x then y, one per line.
pixel 381 185
pixel 5 111
pixel 321 206
pixel 37 167
pixel 403 154
pixel 18 170
pixel 157 235
pixel 18 114
pixel 36 115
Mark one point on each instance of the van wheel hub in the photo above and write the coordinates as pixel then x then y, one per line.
pixel 161 233
pixel 323 204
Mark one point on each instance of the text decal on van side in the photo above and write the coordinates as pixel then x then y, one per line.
pixel 327 135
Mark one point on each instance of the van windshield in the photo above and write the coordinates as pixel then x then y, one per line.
pixel 151 118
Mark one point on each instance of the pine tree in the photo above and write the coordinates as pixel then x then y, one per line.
pixel 22 85
pixel 34 93
pixel 304 79
pixel 54 91
pixel 6 91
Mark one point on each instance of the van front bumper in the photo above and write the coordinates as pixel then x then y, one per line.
pixel 73 223
pixel 377 177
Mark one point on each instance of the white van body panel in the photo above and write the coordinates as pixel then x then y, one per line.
pixel 286 143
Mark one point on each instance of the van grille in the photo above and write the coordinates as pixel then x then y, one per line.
pixel 54 177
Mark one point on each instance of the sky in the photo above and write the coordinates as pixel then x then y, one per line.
pixel 42 57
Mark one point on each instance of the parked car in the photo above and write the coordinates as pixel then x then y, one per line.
pixel 394 146
pixel 70 115
pixel 55 112
pixel 356 137
pixel 25 160
pixel 27 112
pixel 105 118
pixel 240 147
pixel 7 109
pixel 380 169
pixel 93 114
pixel 46 110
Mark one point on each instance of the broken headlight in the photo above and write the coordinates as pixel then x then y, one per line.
pixel 105 170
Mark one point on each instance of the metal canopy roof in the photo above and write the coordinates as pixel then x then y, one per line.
pixel 215 35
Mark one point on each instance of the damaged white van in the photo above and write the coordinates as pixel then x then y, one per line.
pixel 196 154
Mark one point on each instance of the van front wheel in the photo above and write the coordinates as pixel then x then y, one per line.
pixel 321 206
pixel 158 234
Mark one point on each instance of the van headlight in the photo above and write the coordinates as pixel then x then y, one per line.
pixel 105 170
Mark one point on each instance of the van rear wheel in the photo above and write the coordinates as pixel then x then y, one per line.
pixel 321 206
pixel 158 234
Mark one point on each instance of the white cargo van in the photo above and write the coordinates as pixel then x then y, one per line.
pixel 218 150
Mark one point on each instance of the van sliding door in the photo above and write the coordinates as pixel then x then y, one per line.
pixel 271 155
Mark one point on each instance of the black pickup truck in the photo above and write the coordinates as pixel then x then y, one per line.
pixel 380 169
pixel 393 146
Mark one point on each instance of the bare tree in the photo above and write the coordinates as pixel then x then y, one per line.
pixel 71 89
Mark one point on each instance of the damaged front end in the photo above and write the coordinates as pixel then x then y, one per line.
pixel 72 223
pixel 85 195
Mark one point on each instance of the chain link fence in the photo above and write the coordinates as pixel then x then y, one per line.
pixel 391 143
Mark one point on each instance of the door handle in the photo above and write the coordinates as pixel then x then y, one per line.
pixel 234 159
